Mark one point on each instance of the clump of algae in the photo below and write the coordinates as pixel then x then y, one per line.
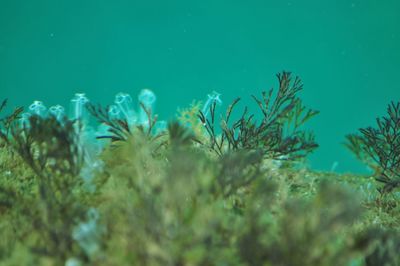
pixel 182 196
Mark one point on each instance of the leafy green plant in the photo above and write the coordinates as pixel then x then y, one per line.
pixel 118 129
pixel 6 122
pixel 381 246
pixel 279 132
pixel 189 118
pixel 162 198
pixel 301 232
pixel 54 199
pixel 379 148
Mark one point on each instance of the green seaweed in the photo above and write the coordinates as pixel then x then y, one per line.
pixel 380 148
pixel 278 134
pixel 49 200
pixel 195 193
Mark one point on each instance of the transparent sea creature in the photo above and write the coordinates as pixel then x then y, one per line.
pixel 57 111
pixel 38 108
pixel 160 126
pixel 73 262
pixel 114 112
pixel 124 102
pixel 78 106
pixel 24 120
pixel 148 99
pixel 214 97
pixel 88 234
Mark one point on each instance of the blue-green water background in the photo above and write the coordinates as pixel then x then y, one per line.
pixel 346 52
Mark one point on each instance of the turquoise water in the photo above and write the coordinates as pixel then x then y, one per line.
pixel 346 52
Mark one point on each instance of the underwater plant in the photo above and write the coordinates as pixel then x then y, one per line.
pixel 120 120
pixel 124 102
pixel 191 193
pixel 8 121
pixel 117 128
pixel 379 148
pixel 53 200
pixel 38 108
pixel 58 111
pixel 278 134
pixel 213 98
pixel 146 99
pixel 304 232
pixel 188 117
pixel 78 106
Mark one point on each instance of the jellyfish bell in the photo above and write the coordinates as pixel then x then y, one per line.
pixel 124 102
pixel 37 108
pixel 212 98
pixel 78 106
pixel 114 111
pixel 147 97
pixel 147 100
pixel 57 111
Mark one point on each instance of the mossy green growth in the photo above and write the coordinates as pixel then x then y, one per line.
pixel 170 199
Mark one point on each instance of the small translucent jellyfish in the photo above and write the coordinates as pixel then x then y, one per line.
pixel 147 98
pixel 88 233
pixel 114 112
pixel 38 108
pixel 57 111
pixel 214 97
pixel 160 126
pixel 73 262
pixel 78 106
pixel 124 102
pixel 24 120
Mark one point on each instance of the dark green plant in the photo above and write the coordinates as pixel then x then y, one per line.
pixel 168 201
pixel 303 232
pixel 380 245
pixel 3 104
pixel 55 201
pixel 119 129
pixel 6 122
pixel 179 135
pixel 180 208
pixel 279 132
pixel 379 147
pixel 238 170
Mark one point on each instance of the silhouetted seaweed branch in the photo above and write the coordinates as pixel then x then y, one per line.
pixel 277 135
pixel 118 128
pixel 6 122
pixel 151 120
pixel 380 147
pixel 3 105
pixel 48 145
pixel 51 148
pixel 238 170
pixel 179 135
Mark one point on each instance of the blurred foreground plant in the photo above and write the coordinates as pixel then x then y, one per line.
pixel 53 200
pixel 161 198
pixel 304 232
pixel 379 148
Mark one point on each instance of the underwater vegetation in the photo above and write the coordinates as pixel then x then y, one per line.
pixel 278 134
pixel 113 185
pixel 380 147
